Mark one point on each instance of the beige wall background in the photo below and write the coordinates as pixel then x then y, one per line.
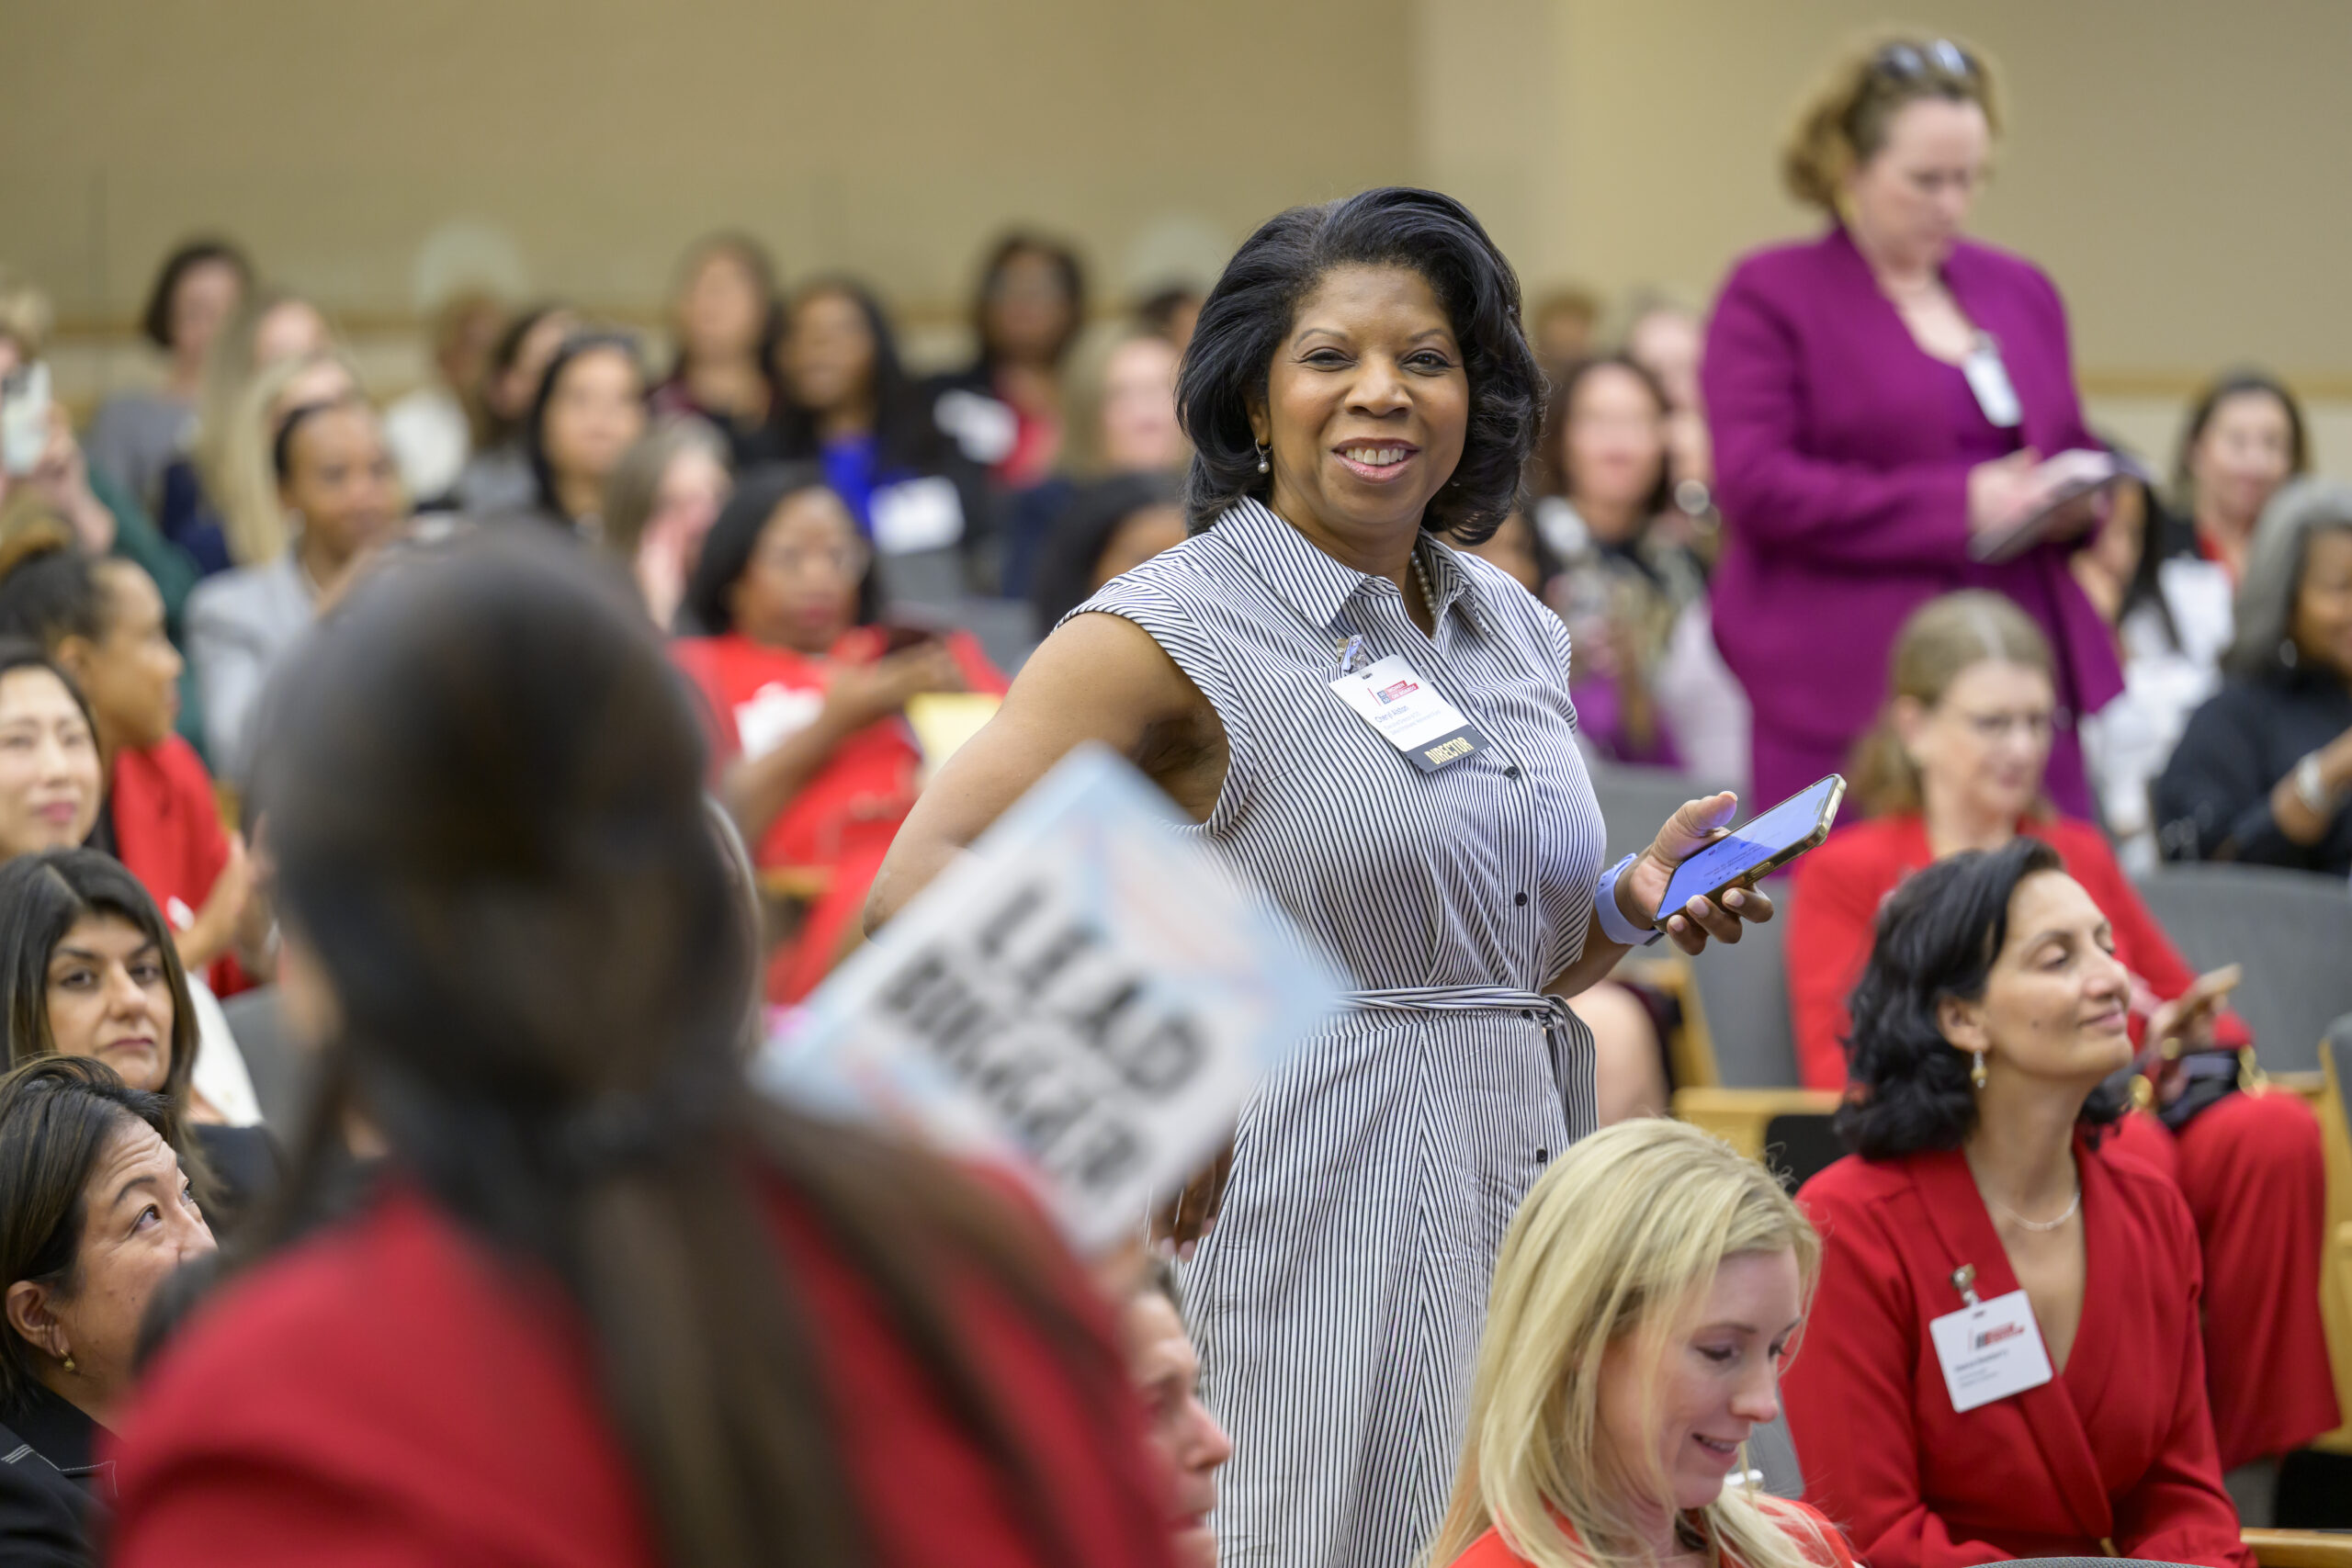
pixel 2183 168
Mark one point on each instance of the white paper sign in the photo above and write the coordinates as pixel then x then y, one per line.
pixel 1990 1351
pixel 1085 992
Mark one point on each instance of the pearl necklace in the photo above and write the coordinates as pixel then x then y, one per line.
pixel 1422 578
pixel 2043 1225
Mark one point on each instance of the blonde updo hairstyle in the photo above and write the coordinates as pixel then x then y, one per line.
pixel 1621 1239
pixel 1941 639
pixel 1844 124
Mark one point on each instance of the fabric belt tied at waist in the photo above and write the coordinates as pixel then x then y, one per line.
pixel 1461 998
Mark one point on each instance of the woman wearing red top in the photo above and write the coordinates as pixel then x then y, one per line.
pixel 102 620
pixel 806 696
pixel 1992 1012
pixel 606 1304
pixel 1647 1297
pixel 1956 764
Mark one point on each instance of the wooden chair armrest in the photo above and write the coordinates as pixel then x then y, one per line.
pixel 1738 1116
pixel 2300 1549
pixel 805 883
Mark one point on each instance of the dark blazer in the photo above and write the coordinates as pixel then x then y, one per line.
pixel 249 1168
pixel 1843 479
pixel 53 1496
pixel 2212 801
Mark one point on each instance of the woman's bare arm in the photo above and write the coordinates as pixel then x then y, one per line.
pixel 1099 677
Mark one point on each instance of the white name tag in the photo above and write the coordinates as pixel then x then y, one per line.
pixel 1410 715
pixel 1990 1351
pixel 1989 379
pixel 916 515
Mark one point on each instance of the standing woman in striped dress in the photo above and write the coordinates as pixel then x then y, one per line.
pixel 1357 388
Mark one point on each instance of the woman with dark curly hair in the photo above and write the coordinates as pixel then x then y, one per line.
pixel 1357 388
pixel 2004 1358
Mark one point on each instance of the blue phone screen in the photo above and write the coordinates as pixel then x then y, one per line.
pixel 1749 846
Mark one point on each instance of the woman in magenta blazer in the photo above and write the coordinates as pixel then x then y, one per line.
pixel 1877 397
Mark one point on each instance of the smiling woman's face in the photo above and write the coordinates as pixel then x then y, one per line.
pixel 110 999
pixel 1367 409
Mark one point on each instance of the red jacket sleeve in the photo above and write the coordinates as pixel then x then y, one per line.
pixel 2179 1512
pixel 1849 1395
pixel 1774 493
pixel 1833 913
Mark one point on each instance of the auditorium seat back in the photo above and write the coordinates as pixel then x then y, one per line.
pixel 2291 930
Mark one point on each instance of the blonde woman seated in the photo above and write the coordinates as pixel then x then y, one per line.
pixel 1645 1301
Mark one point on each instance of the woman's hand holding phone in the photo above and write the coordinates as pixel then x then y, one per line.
pixel 2183 1026
pixel 1694 825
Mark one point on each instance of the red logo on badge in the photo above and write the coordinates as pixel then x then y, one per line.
pixel 1399 691
pixel 1994 1336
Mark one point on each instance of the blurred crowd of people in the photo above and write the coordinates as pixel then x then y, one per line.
pixel 1837 520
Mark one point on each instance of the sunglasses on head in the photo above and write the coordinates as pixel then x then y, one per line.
pixel 1909 61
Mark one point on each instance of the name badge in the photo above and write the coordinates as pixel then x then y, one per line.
pixel 916 515
pixel 1990 1350
pixel 1989 379
pixel 1408 713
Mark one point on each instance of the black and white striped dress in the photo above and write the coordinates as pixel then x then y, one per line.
pixel 1338 1301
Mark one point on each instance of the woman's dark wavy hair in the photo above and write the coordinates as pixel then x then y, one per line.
pixel 1938 935
pixel 903 431
pixel 576 348
pixel 2239 383
pixel 43 896
pixel 1250 310
pixel 486 796
pixel 734 537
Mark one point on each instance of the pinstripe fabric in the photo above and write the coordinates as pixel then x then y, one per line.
pixel 1338 1301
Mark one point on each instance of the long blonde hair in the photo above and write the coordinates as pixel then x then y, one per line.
pixel 1941 639
pixel 1623 1235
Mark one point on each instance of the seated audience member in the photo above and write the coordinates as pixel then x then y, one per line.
pixel 134 436
pixel 1666 339
pixel 269 327
pixel 1648 1292
pixel 804 691
pixel 1991 1011
pixel 242 479
pixel 103 623
pixel 2243 439
pixel 51 782
pixel 88 969
pixel 497 478
pixel 724 318
pixel 340 498
pixel 1173 310
pixel 2170 610
pixel 102 515
pixel 850 407
pixel 1123 422
pixel 1167 1371
pixel 589 410
pixel 1005 410
pixel 660 502
pixel 1560 328
pixel 1109 526
pixel 2263 773
pixel 96 1214
pixel 1652 688
pixel 608 1303
pixel 432 430
pixel 1956 764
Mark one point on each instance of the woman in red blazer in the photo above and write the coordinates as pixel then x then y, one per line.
pixel 605 1304
pixel 1878 398
pixel 2003 1358
pixel 1956 763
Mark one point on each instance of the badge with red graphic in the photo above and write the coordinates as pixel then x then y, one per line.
pixel 1406 712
